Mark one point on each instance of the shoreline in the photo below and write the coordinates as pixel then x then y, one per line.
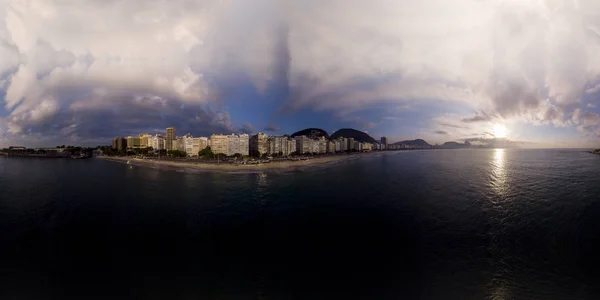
pixel 198 165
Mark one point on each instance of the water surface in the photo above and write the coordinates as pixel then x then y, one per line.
pixel 447 224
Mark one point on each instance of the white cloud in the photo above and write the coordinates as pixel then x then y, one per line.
pixel 525 60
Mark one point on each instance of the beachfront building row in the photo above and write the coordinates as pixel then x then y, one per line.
pixel 242 144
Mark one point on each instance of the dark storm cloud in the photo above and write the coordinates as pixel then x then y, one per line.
pixel 440 132
pixel 131 116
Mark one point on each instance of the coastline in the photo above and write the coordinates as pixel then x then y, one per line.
pixel 198 165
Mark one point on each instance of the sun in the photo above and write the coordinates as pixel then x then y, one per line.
pixel 499 130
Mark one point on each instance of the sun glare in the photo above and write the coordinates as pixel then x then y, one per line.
pixel 500 131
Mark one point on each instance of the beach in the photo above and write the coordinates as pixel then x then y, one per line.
pixel 277 165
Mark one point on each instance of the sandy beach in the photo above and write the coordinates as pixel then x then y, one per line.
pixel 199 165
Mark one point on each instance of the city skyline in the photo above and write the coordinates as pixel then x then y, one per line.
pixel 523 72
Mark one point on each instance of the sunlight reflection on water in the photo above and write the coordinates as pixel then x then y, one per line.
pixel 499 175
pixel 499 286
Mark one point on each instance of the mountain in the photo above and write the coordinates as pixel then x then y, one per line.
pixel 312 133
pixel 455 145
pixel 418 143
pixel 353 133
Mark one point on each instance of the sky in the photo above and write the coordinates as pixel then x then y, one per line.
pixel 526 72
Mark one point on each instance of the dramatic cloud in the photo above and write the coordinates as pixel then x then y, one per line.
pixel 72 69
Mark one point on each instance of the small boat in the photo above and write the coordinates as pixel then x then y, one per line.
pixel 127 162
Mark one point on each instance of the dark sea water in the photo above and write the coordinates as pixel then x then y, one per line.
pixel 447 224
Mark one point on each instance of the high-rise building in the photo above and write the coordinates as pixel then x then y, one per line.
pixel 350 146
pixel 194 145
pixel 157 142
pixel 239 144
pixel 384 142
pixel 303 145
pixel 322 145
pixel 121 144
pixel 145 140
pixel 258 144
pixel 114 143
pixel 219 144
pixel 133 142
pixel 171 135
pixel 330 147
pixel 291 146
pixel 281 146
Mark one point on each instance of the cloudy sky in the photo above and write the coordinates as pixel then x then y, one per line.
pixel 84 71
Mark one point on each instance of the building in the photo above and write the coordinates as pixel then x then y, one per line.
pixel 219 144
pixel 303 145
pixel 350 144
pixel 330 147
pixel 239 144
pixel 322 145
pixel 114 143
pixel 259 144
pixel 291 146
pixel 281 146
pixel 157 142
pixel 121 144
pixel 179 144
pixel 194 145
pixel 171 135
pixel 384 142
pixel 145 140
pixel 133 142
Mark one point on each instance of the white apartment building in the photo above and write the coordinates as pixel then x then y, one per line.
pixel 157 142
pixel 194 145
pixel 322 144
pixel 239 143
pixel 281 145
pixel 219 144
pixel 291 146
pixel 178 144
pixel 330 147
pixel 303 145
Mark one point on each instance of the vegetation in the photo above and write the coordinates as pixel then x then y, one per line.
pixel 206 153
pixel 176 153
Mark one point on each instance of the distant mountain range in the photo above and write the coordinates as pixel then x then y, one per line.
pixel 363 137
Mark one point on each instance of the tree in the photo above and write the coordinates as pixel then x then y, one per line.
pixel 177 153
pixel 206 153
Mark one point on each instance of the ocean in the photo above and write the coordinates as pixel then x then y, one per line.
pixel 434 224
